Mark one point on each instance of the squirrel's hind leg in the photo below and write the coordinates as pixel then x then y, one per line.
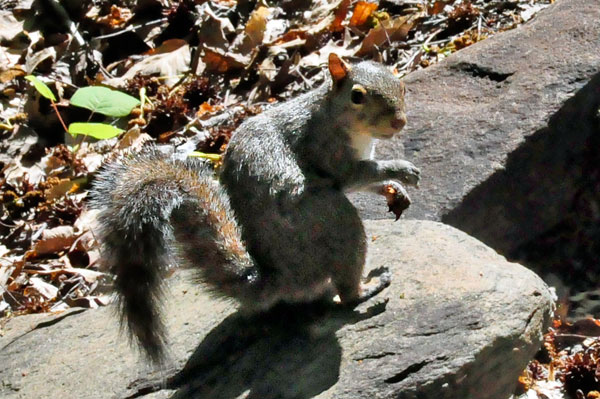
pixel 343 253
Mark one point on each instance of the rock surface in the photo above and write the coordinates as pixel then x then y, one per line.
pixel 507 130
pixel 461 322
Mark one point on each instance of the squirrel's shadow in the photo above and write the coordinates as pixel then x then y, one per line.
pixel 289 352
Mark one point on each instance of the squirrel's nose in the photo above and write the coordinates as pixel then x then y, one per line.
pixel 399 122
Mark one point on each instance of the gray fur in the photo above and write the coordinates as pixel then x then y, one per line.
pixel 280 205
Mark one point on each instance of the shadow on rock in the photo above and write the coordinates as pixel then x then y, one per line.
pixel 289 352
pixel 544 203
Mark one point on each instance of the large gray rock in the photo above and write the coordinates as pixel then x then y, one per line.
pixel 461 322
pixel 506 131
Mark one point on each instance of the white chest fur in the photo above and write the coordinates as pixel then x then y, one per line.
pixel 363 145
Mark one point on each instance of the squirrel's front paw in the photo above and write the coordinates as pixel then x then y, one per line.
pixel 409 173
pixel 404 171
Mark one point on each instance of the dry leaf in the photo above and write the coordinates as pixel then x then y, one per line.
pixel 16 173
pixel 9 26
pixel 389 31
pixel 40 287
pixel 257 24
pixel 205 110
pixel 9 58
pixel 91 160
pixel 340 16
pixel 91 302
pixel 55 240
pixel 167 65
pixel 247 42
pixel 167 46
pixel 322 11
pixel 89 276
pixel 320 57
pixel 362 11
pixel 10 74
pixel 213 30
pixel 117 18
pixel 291 35
pixel 436 8
pixel 133 139
pixel 221 63
pixel 62 187
pixel 33 60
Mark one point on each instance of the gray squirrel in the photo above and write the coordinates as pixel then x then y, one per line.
pixel 277 225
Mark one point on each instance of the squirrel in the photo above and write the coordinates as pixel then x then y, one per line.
pixel 276 226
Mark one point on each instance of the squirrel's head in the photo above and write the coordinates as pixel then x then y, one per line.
pixel 371 96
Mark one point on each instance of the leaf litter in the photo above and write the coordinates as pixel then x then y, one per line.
pixel 198 69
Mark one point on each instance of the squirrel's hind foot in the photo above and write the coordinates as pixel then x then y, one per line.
pixel 368 291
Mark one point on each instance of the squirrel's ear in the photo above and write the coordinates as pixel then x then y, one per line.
pixel 337 68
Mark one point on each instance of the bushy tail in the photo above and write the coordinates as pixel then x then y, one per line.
pixel 147 202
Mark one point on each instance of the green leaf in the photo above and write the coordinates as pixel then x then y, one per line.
pixel 95 130
pixel 104 100
pixel 41 87
pixel 210 157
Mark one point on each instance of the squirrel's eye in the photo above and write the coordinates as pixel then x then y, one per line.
pixel 358 95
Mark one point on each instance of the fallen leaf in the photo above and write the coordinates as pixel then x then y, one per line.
pixel 213 30
pixel 340 16
pixel 36 58
pixel 92 160
pixel 437 7
pixel 9 26
pixel 290 36
pixel 167 46
pixel 321 56
pixel 167 65
pixel 362 12
pixel 16 173
pixel 205 110
pixel 133 139
pixel 91 302
pixel 9 58
pixel 55 240
pixel 255 28
pixel 116 18
pixel 10 74
pixel 39 286
pixel 89 276
pixel 389 31
pixel 62 187
pixel 220 62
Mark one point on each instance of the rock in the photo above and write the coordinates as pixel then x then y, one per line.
pixel 506 132
pixel 461 322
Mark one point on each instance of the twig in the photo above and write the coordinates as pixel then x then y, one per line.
pixel 5 288
pixel 62 122
pixel 434 34
pixel 131 28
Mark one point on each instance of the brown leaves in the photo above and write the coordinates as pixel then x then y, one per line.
pixel 221 62
pixel 117 17
pixel 387 32
pixel 47 248
pixel 462 17
pixel 198 68
pixel 572 352
pixel 169 60
pixel 362 12
pixel 340 16
pixel 55 240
